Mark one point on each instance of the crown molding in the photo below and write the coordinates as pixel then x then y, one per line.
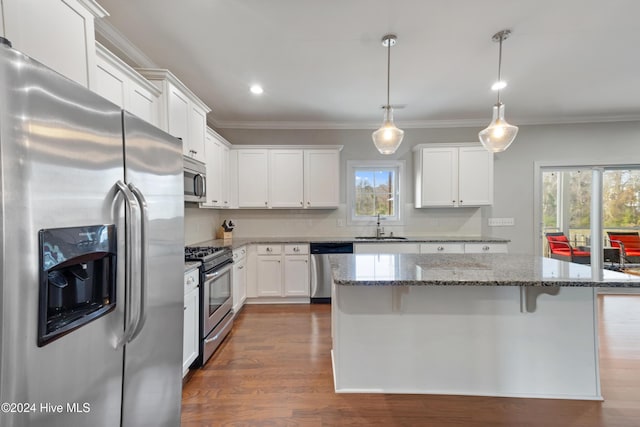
pixel 115 38
pixel 417 124
pixel 93 7
pixel 113 60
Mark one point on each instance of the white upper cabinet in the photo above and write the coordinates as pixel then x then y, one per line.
pixel 253 178
pixel 122 85
pixel 181 113
pixel 58 33
pixel 453 176
pixel 285 179
pixel 475 176
pixel 217 161
pixel 321 178
pixel 282 177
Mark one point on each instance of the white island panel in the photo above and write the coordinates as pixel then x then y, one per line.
pixel 466 340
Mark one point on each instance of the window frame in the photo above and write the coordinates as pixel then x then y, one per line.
pixel 352 166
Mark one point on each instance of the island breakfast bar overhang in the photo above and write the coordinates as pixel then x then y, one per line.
pixel 488 325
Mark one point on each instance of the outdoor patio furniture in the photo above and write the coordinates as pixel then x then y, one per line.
pixel 629 244
pixel 561 249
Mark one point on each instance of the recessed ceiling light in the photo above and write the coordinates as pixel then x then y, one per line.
pixel 499 85
pixel 256 89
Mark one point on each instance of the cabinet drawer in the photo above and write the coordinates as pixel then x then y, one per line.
pixel 442 248
pixel 485 248
pixel 239 253
pixel 191 280
pixel 269 249
pixel 296 249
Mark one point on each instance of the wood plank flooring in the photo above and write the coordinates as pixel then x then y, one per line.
pixel 275 370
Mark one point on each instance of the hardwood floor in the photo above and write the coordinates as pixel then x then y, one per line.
pixel 275 370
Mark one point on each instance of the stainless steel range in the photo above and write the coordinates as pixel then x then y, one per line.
pixel 216 317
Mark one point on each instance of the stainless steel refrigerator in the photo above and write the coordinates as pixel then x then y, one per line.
pixel 92 235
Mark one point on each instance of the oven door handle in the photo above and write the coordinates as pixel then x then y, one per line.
pixel 143 271
pixel 211 276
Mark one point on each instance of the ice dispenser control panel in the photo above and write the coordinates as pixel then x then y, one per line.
pixel 77 278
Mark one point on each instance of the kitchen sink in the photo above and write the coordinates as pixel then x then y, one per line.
pixel 380 238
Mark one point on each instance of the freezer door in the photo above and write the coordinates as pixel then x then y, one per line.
pixel 61 156
pixel 153 357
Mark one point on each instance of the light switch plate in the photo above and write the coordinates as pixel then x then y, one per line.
pixel 501 222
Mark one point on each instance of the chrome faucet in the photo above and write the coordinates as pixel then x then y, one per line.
pixel 379 230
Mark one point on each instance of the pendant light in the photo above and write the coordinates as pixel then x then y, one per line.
pixel 387 139
pixel 499 134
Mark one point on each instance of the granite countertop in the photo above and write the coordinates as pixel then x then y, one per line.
pixel 467 269
pixel 238 242
pixel 191 265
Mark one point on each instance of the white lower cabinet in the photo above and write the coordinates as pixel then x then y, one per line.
pixel 239 278
pixel 269 276
pixel 190 326
pixel 296 275
pixel 282 271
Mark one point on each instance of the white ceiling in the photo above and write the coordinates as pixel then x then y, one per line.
pixel 322 64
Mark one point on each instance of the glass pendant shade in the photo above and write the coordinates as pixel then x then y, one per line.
pixel 499 134
pixel 388 137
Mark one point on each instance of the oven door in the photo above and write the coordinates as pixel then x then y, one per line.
pixel 217 297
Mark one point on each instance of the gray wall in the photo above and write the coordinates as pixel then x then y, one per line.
pixel 514 177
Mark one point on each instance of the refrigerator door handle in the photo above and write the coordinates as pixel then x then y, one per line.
pixel 130 231
pixel 144 248
pixel 314 274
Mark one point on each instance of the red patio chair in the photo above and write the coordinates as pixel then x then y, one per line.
pixel 561 249
pixel 629 244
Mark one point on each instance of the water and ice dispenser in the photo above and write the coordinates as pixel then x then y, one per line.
pixel 77 278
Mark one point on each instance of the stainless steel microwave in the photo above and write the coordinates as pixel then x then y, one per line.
pixel 195 187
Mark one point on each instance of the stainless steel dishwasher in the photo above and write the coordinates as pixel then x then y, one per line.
pixel 321 270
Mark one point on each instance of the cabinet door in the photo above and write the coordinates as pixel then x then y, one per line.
pixel 179 118
pixel 58 33
pixel 439 177
pixel 110 83
pixel 286 178
pixel 239 285
pixel 212 151
pixel 225 171
pixel 253 179
pixel 269 276
pixel 190 336
pixel 321 178
pixel 442 248
pixel 296 276
pixel 142 103
pixel 197 130
pixel 475 174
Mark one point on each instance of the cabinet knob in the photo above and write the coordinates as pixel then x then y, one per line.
pixel 453 201
pixel 265 203
pixel 241 267
pixel 485 248
pixel 185 308
pixel 460 201
pixel 301 203
pixel 190 280
pixel 214 201
pixel 296 249
pixel 440 248
pixel 268 249
pixel 308 203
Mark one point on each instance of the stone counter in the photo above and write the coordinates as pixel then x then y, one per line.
pixel 238 242
pixel 468 270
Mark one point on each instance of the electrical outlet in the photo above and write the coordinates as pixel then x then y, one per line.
pixel 501 222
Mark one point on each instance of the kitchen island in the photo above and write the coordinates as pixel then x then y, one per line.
pixel 486 324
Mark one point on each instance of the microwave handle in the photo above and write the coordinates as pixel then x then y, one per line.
pixel 199 188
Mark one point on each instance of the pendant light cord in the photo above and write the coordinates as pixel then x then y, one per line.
pixel 388 70
pixel 500 63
